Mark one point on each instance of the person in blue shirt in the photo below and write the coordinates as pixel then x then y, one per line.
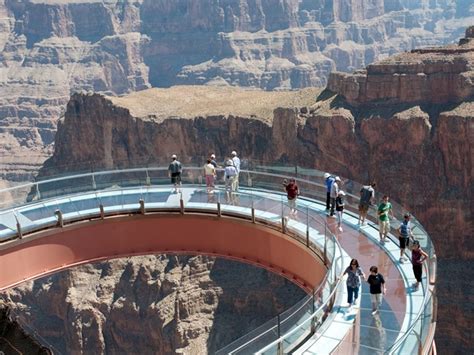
pixel 329 180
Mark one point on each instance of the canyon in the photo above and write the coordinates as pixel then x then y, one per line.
pixel 417 148
pixel 406 121
pixel 51 49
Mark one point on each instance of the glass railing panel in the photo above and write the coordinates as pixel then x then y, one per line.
pixel 64 186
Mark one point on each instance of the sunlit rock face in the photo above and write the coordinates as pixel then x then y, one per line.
pixel 51 48
pixel 187 304
pixel 419 151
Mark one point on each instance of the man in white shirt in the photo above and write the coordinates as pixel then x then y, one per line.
pixel 236 162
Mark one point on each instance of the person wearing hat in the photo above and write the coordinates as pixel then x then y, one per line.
pixel 404 234
pixel 329 180
pixel 213 160
pixel 418 256
pixel 333 195
pixel 236 162
pixel 210 175
pixel 230 174
pixel 340 208
pixel 174 172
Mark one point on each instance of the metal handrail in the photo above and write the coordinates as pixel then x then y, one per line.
pixel 275 175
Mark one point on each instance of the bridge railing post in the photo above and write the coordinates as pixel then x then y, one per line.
pixel 59 216
pixel 142 206
pixel 181 203
pixel 38 194
pixel 18 228
pixel 102 212
pixel 147 179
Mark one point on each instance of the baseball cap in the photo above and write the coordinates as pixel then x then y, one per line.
pixel 213 156
pixel 234 152
pixel 173 156
pixel 342 193
pixel 229 162
pixel 338 178
pixel 326 175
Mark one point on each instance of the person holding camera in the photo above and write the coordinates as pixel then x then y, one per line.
pixel 292 193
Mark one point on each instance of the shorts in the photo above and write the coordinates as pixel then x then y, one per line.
pixel 292 203
pixel 403 242
pixel 363 207
pixel 210 180
pixel 384 227
pixel 175 178
pixel 376 298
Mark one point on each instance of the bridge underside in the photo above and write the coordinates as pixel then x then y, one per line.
pixel 56 249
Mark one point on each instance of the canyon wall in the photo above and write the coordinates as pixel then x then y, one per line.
pixel 418 151
pixel 152 304
pixel 52 48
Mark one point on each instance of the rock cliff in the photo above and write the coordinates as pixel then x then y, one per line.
pixel 420 153
pixel 52 48
pixel 152 304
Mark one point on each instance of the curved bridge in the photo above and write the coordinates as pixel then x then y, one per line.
pixel 86 217
pixel 55 249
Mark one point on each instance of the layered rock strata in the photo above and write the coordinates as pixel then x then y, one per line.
pixel 419 153
pixel 152 304
pixel 52 48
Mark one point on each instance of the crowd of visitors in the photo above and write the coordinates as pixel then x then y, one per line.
pixel 335 204
pixel 335 199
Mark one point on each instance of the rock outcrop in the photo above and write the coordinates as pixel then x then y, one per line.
pixel 423 76
pixel 420 153
pixel 152 304
pixel 52 48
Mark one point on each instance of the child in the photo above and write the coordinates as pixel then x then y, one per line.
pixel 340 208
pixel 418 256
pixel 377 289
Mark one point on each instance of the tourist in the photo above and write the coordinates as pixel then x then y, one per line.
pixel 334 192
pixel 383 211
pixel 377 289
pixel 174 171
pixel 213 161
pixel 329 180
pixel 418 256
pixel 404 234
pixel 353 272
pixel 236 162
pixel 210 174
pixel 367 198
pixel 230 174
pixel 292 193
pixel 340 208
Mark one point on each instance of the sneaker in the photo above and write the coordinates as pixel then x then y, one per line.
pixel 340 229
pixel 401 260
pixel 375 311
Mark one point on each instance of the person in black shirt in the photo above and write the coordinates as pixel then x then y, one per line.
pixel 377 288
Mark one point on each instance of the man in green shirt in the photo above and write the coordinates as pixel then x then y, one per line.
pixel 385 208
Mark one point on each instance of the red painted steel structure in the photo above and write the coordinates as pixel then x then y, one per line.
pixel 55 249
